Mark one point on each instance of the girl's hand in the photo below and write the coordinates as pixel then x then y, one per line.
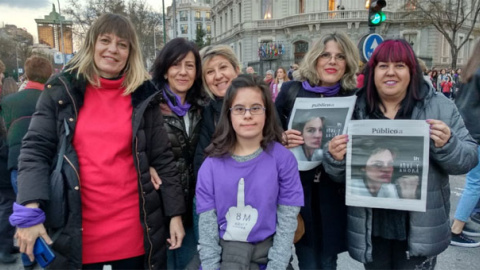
pixel 439 132
pixel 337 147
pixel 156 180
pixel 292 138
pixel 26 238
pixel 177 233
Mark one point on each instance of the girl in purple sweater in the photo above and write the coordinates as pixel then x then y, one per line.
pixel 248 189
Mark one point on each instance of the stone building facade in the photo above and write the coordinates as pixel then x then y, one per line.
pixel 267 34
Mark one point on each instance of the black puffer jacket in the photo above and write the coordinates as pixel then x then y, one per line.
pixel 468 103
pixel 183 147
pixel 62 99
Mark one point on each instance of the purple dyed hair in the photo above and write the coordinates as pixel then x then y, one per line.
pixel 394 50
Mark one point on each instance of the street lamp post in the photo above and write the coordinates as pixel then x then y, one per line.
pixel 61 33
pixel 16 58
pixel 164 31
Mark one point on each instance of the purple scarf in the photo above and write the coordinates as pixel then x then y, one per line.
pixel 24 217
pixel 178 109
pixel 327 91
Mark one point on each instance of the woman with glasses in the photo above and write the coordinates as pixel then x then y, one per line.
pixel 328 70
pixel 243 224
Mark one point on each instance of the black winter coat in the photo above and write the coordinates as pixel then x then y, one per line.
pixel 62 99
pixel 210 117
pixel 17 110
pixel 183 148
pixel 324 213
pixel 468 103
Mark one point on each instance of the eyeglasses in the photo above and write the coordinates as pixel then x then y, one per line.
pixel 327 56
pixel 241 110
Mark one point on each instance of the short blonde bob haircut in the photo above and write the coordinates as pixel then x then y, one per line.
pixel 83 62
pixel 308 67
pixel 207 53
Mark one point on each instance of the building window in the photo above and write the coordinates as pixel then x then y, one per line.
pixel 197 14
pixel 240 12
pixel 183 16
pixel 184 29
pixel 231 17
pixel 267 8
pixel 199 26
pixel 301 6
pixel 209 29
pixel 207 15
pixel 301 48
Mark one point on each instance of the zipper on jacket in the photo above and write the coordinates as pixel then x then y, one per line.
pixel 71 97
pixel 408 254
pixel 73 167
pixel 143 204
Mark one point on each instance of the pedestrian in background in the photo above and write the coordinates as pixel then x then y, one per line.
pixel 7 195
pixel 276 85
pixel 2 70
pixel 245 156
pixel 177 72
pixel 447 86
pixel 115 216
pixel 394 239
pixel 17 110
pixel 328 70
pixel 10 86
pixel 269 77
pixel 468 103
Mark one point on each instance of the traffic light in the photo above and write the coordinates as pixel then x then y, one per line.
pixel 375 13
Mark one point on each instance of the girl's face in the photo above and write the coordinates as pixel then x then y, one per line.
pixel 312 133
pixel 181 75
pixel 280 74
pixel 442 71
pixel 218 74
pixel 379 167
pixel 391 80
pixel 331 64
pixel 248 126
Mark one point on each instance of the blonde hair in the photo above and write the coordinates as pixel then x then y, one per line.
pixel 83 62
pixel 207 53
pixel 308 67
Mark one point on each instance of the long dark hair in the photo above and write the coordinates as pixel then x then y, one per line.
pixel 472 65
pixel 395 50
pixel 224 138
pixel 174 51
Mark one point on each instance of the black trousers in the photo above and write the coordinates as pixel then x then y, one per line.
pixel 7 198
pixel 392 254
pixel 130 263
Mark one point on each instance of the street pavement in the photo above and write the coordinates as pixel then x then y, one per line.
pixel 452 258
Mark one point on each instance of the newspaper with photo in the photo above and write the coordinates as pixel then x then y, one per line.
pixel 319 120
pixel 387 164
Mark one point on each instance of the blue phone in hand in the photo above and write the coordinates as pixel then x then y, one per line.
pixel 42 252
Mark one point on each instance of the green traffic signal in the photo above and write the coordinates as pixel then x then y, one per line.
pixel 382 15
pixel 375 19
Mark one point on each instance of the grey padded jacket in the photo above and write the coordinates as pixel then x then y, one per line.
pixel 428 232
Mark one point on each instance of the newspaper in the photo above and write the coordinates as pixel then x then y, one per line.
pixel 387 164
pixel 319 120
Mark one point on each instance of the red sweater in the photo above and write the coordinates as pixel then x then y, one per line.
pixel 108 178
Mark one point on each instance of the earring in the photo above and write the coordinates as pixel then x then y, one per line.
pixel 165 76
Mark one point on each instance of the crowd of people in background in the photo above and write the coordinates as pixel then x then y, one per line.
pixel 192 158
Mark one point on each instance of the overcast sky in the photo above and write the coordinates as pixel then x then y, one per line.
pixel 23 13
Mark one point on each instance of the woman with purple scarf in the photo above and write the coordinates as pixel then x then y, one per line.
pixel 328 70
pixel 177 73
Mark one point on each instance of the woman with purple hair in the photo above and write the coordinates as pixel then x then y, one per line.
pixel 395 89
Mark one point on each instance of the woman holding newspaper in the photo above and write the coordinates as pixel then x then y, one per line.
pixel 328 70
pixel 395 89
